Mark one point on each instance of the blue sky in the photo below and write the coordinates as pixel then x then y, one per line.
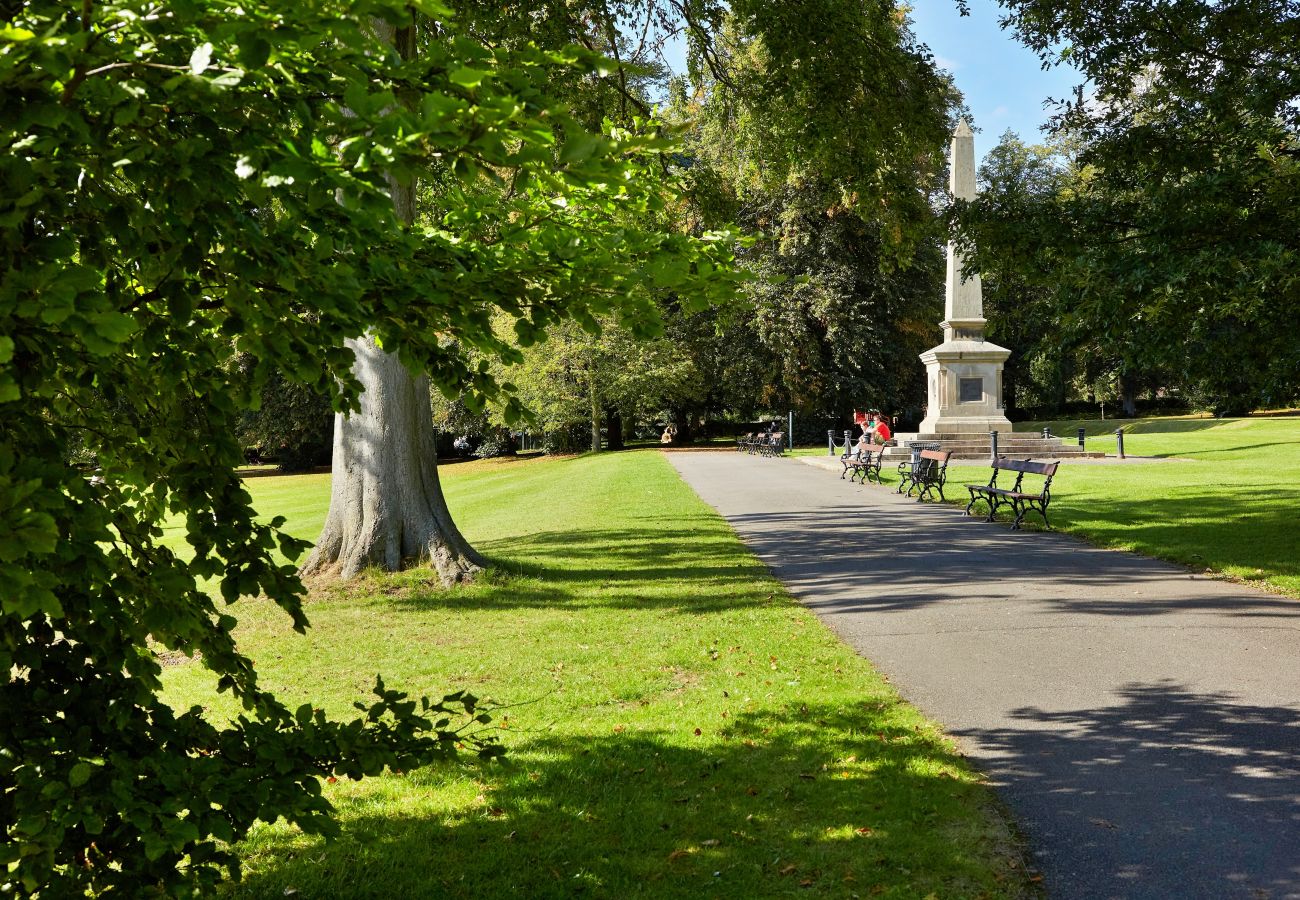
pixel 1002 80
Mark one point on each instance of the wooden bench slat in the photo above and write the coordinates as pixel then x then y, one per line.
pixel 1020 500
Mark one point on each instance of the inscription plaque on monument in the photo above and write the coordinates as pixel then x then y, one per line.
pixel 971 390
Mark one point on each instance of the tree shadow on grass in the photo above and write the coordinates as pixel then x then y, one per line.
pixel 680 569
pixel 846 561
pixel 1203 529
pixel 815 799
pixel 1169 792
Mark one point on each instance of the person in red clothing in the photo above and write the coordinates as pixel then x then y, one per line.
pixel 882 432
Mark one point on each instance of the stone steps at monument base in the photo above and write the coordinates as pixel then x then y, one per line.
pixel 973 447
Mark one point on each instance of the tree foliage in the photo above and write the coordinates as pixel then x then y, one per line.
pixel 847 280
pixel 1178 244
pixel 187 181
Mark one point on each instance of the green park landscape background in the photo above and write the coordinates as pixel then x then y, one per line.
pixel 675 722
pixel 410 238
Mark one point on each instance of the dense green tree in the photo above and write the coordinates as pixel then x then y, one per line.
pixel 1181 244
pixel 292 425
pixel 847 285
pixel 601 380
pixel 182 182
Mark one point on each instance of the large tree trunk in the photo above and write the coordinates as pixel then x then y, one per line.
pixel 613 429
pixel 1128 395
pixel 386 505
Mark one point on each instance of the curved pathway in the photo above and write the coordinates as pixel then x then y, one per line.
pixel 1143 724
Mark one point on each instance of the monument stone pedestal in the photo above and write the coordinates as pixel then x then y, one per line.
pixel 964 373
pixel 964 378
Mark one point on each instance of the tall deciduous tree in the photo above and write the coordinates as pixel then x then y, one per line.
pixel 182 182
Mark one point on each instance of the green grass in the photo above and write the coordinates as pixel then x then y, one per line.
pixel 1224 498
pixel 1227 498
pixel 679 726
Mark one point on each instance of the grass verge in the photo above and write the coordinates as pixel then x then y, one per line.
pixel 680 726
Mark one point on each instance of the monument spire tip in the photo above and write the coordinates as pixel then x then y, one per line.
pixel 963 129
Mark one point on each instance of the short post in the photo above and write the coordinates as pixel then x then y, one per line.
pixel 848 440
pixel 993 445
pixel 1047 432
pixel 1082 435
pixel 789 432
pixel 830 442
pixel 1119 442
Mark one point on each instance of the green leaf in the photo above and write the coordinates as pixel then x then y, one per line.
pixel 466 77
pixel 254 51
pixel 579 147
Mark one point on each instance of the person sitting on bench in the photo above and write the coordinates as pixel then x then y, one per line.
pixel 881 433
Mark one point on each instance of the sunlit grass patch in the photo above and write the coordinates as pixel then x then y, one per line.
pixel 677 725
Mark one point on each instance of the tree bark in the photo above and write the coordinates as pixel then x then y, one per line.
pixel 386 503
pixel 595 412
pixel 613 429
pixel 1128 395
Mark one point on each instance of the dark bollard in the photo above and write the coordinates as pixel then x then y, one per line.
pixel 1082 436
pixel 830 442
pixel 1047 432
pixel 1119 442
pixel 848 440
pixel 993 445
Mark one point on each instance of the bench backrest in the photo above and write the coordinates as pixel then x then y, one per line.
pixel 1026 466
pixel 939 456
pixel 775 437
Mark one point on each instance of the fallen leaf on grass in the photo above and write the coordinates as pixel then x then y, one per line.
pixel 789 870
pixel 711 842
pixel 863 830
pixel 678 854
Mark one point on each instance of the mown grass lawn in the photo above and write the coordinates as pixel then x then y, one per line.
pixel 676 724
pixel 1225 495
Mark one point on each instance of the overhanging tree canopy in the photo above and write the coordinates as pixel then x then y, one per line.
pixel 180 182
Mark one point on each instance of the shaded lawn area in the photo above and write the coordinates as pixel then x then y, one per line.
pixel 679 725
pixel 1227 499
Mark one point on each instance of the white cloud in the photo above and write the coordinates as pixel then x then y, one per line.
pixel 944 62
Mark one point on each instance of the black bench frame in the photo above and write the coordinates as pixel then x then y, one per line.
pixel 1020 500
pixel 864 464
pixel 766 444
pixel 928 475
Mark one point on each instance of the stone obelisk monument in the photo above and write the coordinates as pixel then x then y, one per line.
pixel 965 371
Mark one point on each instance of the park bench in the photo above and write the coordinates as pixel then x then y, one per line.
pixel 773 444
pixel 742 443
pixel 864 464
pixel 926 476
pixel 1020 500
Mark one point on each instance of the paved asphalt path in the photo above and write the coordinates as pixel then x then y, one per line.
pixel 1142 724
